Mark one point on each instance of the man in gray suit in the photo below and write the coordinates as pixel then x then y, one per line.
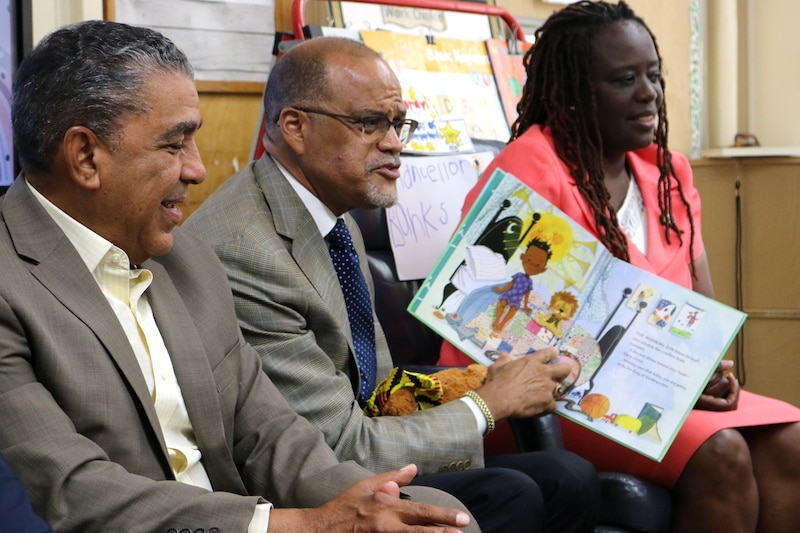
pixel 335 127
pixel 129 400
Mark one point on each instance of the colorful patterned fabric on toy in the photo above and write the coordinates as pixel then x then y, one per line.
pixel 427 390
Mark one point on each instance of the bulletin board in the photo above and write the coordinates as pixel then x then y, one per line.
pixel 229 42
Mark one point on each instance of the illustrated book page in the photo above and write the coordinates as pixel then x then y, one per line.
pixel 520 275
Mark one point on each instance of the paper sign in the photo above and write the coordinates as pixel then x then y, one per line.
pixel 430 195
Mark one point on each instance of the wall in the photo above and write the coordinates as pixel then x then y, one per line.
pixel 50 14
pixel 774 72
pixel 769 194
pixel 225 141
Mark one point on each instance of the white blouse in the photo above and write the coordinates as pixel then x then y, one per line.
pixel 631 217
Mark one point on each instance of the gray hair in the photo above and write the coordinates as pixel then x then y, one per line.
pixel 87 74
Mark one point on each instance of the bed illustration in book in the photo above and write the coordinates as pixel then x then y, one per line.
pixel 520 275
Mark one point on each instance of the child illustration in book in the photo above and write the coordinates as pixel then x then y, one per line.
pixel 517 291
pixel 520 297
pixel 663 313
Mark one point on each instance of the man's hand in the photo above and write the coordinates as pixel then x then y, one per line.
pixel 722 390
pixel 525 386
pixel 372 504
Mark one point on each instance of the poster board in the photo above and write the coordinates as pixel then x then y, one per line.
pixel 454 75
pixel 509 74
pixel 225 40
pixel 430 196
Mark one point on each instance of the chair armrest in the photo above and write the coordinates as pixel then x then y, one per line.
pixel 537 433
pixel 633 504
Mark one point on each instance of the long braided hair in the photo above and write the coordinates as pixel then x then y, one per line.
pixel 559 93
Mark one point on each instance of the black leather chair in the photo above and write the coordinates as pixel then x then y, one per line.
pixel 629 504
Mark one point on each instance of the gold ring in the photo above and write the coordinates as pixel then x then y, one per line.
pixel 558 391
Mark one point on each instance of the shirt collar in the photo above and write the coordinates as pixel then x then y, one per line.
pixel 90 246
pixel 323 217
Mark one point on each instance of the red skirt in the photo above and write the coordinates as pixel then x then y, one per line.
pixel 608 456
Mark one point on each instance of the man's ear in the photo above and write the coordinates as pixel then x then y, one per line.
pixel 84 153
pixel 293 125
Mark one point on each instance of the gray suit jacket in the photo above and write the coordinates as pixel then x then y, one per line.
pixel 291 309
pixel 78 424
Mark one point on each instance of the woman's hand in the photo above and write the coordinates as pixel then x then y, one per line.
pixel 722 390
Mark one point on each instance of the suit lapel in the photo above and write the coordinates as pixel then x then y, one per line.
pixel 59 268
pixel 194 374
pixel 308 248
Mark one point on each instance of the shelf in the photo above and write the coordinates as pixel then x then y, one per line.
pixel 752 151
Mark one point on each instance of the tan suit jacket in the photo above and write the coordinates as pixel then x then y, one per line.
pixel 292 311
pixel 78 424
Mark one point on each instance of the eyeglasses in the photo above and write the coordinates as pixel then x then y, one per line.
pixel 373 127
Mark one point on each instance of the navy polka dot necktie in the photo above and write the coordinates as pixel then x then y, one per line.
pixel 359 306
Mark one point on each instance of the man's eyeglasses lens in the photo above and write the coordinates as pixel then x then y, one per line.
pixel 373 127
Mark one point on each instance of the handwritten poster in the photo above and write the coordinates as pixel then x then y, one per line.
pixel 431 193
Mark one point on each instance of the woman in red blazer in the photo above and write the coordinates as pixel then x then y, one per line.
pixel 591 138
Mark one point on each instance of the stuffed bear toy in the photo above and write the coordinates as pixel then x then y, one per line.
pixel 405 392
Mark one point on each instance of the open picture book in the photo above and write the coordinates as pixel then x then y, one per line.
pixel 520 275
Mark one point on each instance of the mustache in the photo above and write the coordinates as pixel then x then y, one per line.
pixel 393 162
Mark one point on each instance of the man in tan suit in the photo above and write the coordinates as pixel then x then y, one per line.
pixel 129 401
pixel 336 122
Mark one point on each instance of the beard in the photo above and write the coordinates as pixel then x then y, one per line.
pixel 378 196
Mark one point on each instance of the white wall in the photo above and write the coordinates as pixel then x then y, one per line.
pixel 51 14
pixel 774 72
